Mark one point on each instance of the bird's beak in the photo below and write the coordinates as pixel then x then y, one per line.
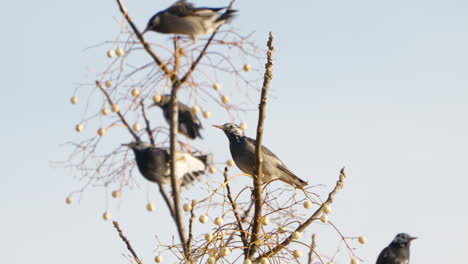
pixel 144 31
pixel 218 126
pixel 412 238
pixel 126 145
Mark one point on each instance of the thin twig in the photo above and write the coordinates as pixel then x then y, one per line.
pixel 190 237
pixel 312 249
pixel 127 242
pixel 147 47
pixel 258 147
pixel 242 234
pixel 147 122
pixel 312 218
pixel 122 118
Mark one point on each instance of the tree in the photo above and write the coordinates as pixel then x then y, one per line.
pixel 258 226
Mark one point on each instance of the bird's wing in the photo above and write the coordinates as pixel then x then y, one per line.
pixel 265 150
pixel 190 121
pixel 188 167
pixel 181 9
pixel 385 257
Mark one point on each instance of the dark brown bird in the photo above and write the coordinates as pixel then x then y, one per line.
pixel 189 124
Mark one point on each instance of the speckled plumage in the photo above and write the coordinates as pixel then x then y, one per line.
pixel 183 18
pixel 243 153
pixel 189 124
pixel 153 164
pixel 398 252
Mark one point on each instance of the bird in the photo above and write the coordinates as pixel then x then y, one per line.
pixel 398 252
pixel 243 153
pixel 183 18
pixel 154 164
pixel 189 124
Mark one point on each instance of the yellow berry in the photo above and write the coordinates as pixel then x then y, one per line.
pixel 324 218
pixel 203 219
pixel 225 99
pixel 74 99
pixel 230 163
pixel 116 194
pixel 211 260
pixel 296 235
pixel 115 108
pixel 297 253
pixel 247 261
pixel 135 92
pixel 206 114
pixel 69 200
pixel 101 131
pixel 247 67
pixel 105 111
pixel 110 53
pixel 265 220
pixel 362 239
pixel 158 259
pixel 195 109
pixel 106 216
pixel 307 204
pixel 187 207
pixel 243 126
pixel 219 221
pixel 326 209
pixel 120 52
pixel 136 127
pixel 79 127
pixel 157 98
pixel 182 52
pixel 217 86
pixel 212 169
pixel 354 261
pixel 108 83
pixel 208 237
pixel 264 261
pixel 150 207
pixel 282 229
pixel 225 251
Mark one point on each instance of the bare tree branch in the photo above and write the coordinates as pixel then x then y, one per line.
pixel 258 147
pixel 310 257
pixel 312 218
pixel 243 234
pixel 127 242
pixel 122 118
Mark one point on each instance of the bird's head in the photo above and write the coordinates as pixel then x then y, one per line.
pixel 154 22
pixel 138 145
pixel 403 239
pixel 163 102
pixel 231 129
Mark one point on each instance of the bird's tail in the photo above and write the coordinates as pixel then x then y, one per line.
pixel 227 16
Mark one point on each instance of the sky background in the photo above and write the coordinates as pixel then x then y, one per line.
pixel 378 87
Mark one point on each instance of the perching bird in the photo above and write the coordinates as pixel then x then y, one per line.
pixel 243 153
pixel 398 251
pixel 183 18
pixel 154 164
pixel 189 124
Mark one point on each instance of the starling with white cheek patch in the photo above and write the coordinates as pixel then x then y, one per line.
pixel 243 153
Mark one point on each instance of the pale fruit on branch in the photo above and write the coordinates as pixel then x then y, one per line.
pixel 74 99
pixel 120 52
pixel 150 207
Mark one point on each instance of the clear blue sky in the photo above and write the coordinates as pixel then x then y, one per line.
pixel 378 87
